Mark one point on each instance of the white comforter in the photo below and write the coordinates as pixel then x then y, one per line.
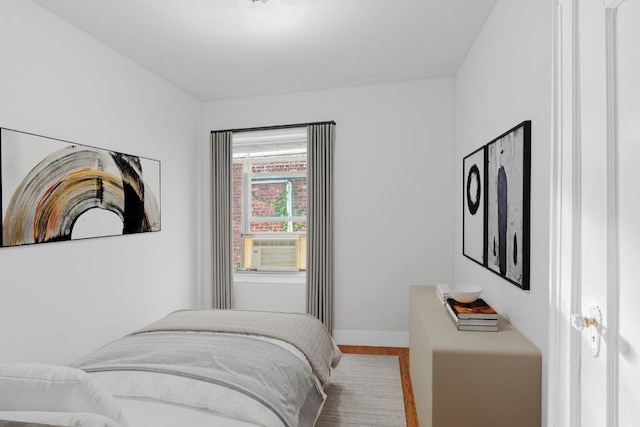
pixel 65 396
pixel 134 388
pixel 51 418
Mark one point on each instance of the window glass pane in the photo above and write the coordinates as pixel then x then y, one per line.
pixel 274 164
pixel 299 196
pixel 279 197
pixel 270 185
pixel 278 227
pixel 237 214
pixel 270 197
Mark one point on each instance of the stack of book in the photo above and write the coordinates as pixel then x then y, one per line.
pixel 473 316
pixel 443 292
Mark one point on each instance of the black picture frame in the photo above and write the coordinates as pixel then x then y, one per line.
pixel 474 206
pixel 508 184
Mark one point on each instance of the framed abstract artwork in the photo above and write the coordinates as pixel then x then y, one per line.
pixel 54 190
pixel 474 209
pixel 508 197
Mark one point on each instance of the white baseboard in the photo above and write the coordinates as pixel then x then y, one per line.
pixel 371 338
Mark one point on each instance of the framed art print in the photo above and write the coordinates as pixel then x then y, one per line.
pixel 508 197
pixel 474 206
pixel 53 190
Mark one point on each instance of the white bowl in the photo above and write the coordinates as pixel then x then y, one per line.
pixel 464 293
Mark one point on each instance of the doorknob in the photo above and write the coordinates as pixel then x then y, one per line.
pixel 581 322
pixel 593 322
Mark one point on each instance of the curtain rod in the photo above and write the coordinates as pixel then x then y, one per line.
pixel 255 129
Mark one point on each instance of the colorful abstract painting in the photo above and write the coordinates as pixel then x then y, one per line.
pixel 54 190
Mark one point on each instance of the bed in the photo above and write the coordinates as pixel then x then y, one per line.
pixel 193 367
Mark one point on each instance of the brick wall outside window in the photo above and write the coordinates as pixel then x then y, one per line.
pixel 263 198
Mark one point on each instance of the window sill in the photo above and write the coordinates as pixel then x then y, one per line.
pixel 293 277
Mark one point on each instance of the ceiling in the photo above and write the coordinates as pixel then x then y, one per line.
pixel 216 49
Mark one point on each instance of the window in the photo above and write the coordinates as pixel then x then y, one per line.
pixel 270 200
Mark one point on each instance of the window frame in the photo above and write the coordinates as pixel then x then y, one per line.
pixel 257 150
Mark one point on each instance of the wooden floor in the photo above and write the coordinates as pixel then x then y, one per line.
pixel 403 355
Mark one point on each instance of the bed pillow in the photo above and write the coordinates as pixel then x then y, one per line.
pixel 37 387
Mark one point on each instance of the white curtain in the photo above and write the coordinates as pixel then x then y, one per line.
pixel 320 149
pixel 221 221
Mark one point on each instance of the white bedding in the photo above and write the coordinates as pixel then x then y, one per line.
pixel 55 394
pixel 66 419
pixel 132 397
pixel 133 389
pixel 142 394
pixel 142 413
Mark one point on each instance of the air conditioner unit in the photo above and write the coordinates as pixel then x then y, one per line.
pixel 275 253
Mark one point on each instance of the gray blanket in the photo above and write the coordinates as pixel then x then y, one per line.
pixel 263 370
pixel 301 330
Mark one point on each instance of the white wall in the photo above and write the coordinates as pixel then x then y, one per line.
pixel 396 211
pixel 271 292
pixel 505 79
pixel 393 167
pixel 61 300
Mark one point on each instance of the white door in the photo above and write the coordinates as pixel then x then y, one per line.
pixel 628 212
pixel 594 374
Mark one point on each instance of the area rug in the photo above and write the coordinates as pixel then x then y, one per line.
pixel 365 390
